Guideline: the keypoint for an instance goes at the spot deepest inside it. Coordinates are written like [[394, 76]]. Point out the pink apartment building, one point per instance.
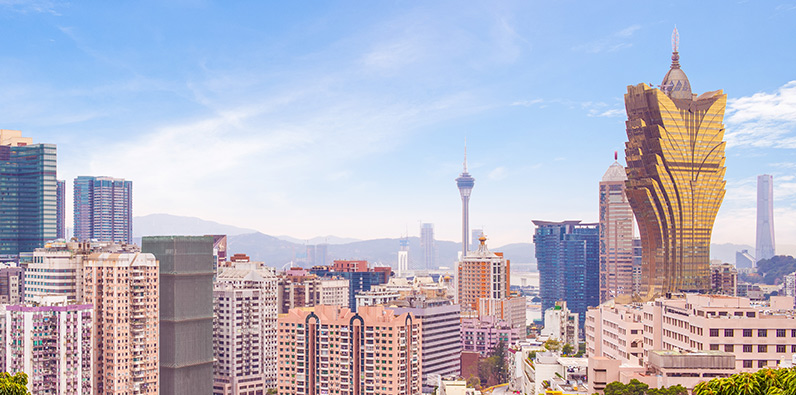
[[330, 350], [49, 340], [757, 335], [124, 289]]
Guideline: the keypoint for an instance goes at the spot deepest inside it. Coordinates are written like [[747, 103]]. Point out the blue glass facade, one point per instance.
[[28, 197], [568, 257], [60, 222], [103, 209], [357, 281]]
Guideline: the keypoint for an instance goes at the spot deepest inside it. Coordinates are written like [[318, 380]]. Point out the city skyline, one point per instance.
[[356, 93]]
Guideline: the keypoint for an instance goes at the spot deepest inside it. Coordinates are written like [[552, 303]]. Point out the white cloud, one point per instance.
[[498, 173], [527, 103], [612, 43], [763, 120]]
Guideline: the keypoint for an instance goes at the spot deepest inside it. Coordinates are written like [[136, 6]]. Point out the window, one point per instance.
[[780, 333], [781, 348], [747, 364], [729, 333], [750, 314], [714, 347], [747, 333], [714, 333], [761, 363], [729, 347], [762, 332], [762, 348], [747, 348]]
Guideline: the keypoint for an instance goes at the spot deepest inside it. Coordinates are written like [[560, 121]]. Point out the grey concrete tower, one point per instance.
[[465, 182], [186, 312], [764, 245]]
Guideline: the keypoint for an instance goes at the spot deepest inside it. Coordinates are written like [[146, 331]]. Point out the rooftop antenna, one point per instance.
[[616, 156], [675, 39]]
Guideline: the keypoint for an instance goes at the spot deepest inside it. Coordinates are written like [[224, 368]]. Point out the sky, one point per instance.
[[349, 118]]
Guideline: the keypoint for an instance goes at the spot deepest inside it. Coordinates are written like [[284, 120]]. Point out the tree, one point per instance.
[[473, 382], [763, 382], [501, 370], [552, 345], [567, 349], [14, 385]]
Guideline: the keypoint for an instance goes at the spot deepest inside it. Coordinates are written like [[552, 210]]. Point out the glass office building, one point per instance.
[[103, 209], [28, 201]]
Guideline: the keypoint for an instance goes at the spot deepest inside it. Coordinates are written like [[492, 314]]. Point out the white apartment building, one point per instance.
[[562, 325], [758, 334], [334, 292], [51, 341], [244, 329]]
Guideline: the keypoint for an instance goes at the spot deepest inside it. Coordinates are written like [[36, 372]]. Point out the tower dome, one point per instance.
[[675, 84]]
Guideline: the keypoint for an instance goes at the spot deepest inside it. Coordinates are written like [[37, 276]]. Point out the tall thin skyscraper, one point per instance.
[[465, 183], [568, 257], [616, 235], [103, 209], [60, 223], [765, 247], [28, 186], [428, 246], [403, 256], [186, 312], [675, 161]]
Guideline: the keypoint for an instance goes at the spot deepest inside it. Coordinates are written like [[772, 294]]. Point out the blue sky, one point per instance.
[[348, 118]]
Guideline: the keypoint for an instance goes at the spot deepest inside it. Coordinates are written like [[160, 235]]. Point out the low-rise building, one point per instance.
[[562, 325], [483, 334]]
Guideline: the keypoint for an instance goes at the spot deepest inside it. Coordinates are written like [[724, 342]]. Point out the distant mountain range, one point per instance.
[[280, 250]]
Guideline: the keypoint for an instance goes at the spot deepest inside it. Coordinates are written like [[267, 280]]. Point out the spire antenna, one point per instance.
[[465, 154], [675, 39]]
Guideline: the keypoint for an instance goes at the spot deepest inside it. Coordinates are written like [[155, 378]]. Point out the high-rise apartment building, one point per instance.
[[186, 312], [57, 269], [359, 276], [28, 186], [244, 330], [675, 167], [765, 247], [428, 247], [103, 209], [298, 288], [60, 222], [482, 274], [568, 257], [616, 235], [123, 287], [51, 341], [331, 350], [723, 279], [441, 334], [562, 325], [465, 183]]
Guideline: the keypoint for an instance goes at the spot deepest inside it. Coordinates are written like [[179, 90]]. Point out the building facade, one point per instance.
[[103, 209], [616, 235], [299, 288], [562, 325], [724, 279], [28, 215], [482, 274], [765, 246], [428, 247], [675, 167], [56, 269], [186, 312], [12, 284], [440, 334], [359, 277], [51, 341], [124, 289], [329, 349], [759, 335], [244, 330], [60, 222], [567, 255]]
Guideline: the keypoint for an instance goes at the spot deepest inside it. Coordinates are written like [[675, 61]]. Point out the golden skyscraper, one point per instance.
[[675, 168]]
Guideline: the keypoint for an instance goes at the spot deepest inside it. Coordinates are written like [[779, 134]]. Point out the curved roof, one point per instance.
[[615, 172], [675, 83]]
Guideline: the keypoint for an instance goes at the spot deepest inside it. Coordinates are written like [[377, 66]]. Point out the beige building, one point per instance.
[[757, 335], [244, 329], [724, 279], [616, 235], [123, 287], [330, 350]]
